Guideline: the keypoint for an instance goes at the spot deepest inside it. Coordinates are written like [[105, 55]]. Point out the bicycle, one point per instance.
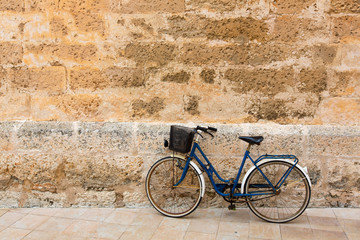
[[276, 188]]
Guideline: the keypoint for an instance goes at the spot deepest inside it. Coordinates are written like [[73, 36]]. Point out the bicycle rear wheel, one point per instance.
[[283, 205], [164, 197]]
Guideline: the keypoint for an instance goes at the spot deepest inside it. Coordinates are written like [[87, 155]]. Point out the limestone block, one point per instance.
[[149, 108], [293, 29], [12, 5], [89, 23], [150, 139], [41, 54], [14, 106], [7, 135], [94, 199], [336, 110], [346, 28], [269, 82], [292, 6], [46, 136], [41, 5], [45, 200], [49, 79], [144, 6], [350, 56], [11, 53], [113, 77], [81, 106], [58, 27], [211, 5], [325, 54], [9, 199], [11, 26], [333, 141], [106, 138], [258, 9], [155, 54], [89, 6], [344, 6], [345, 84], [180, 77], [312, 80]]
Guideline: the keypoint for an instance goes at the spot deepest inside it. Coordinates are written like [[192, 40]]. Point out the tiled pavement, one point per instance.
[[106, 223]]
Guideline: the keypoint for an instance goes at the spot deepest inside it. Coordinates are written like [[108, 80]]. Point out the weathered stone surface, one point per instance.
[[312, 80], [293, 29], [53, 52], [351, 55], [346, 28], [211, 5], [41, 5], [291, 6], [153, 6], [180, 77], [345, 6], [334, 110], [12, 5], [147, 109], [89, 6], [345, 84], [50, 79], [10, 53], [15, 106], [157, 54], [89, 22], [82, 106], [208, 75], [114, 77], [265, 81]]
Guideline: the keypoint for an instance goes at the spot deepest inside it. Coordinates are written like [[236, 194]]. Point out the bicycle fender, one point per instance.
[[303, 170], [197, 169]]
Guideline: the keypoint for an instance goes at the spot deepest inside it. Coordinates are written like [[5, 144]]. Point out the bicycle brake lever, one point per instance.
[[200, 135]]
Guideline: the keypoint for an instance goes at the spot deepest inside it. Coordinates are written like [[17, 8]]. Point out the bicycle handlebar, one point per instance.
[[205, 130]]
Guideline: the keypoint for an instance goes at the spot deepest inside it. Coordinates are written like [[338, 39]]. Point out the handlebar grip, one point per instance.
[[212, 129], [201, 128]]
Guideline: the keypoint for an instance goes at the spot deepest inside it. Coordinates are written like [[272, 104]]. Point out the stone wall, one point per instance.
[[89, 88]]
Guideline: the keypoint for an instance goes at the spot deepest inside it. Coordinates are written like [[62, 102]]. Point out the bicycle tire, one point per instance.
[[294, 192], [164, 197]]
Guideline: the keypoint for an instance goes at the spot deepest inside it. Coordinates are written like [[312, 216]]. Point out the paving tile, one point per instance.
[[70, 212], [3, 211], [121, 217], [329, 235], [320, 212], [324, 223], [264, 230], [301, 221], [164, 233], [199, 236], [203, 226], [97, 214], [347, 213], [179, 224], [147, 219], [13, 233], [140, 232], [227, 237], [350, 225], [30, 221], [83, 228], [240, 230], [239, 215], [55, 224], [352, 236], [209, 213], [10, 218], [21, 210], [45, 211], [40, 235], [110, 231], [296, 233]]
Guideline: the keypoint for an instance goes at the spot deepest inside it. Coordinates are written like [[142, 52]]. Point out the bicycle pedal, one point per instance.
[[232, 207]]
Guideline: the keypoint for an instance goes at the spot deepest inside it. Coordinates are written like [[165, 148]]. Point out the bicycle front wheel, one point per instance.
[[169, 200], [283, 205]]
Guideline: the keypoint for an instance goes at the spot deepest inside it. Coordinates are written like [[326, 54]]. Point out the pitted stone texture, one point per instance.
[[146, 6], [345, 6], [106, 138], [345, 84], [291, 6], [12, 5], [114, 77], [11, 53], [46, 137], [212, 5], [49, 79], [41, 5], [345, 32]]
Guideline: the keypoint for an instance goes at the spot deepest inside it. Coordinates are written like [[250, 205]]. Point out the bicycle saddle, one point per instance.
[[252, 140]]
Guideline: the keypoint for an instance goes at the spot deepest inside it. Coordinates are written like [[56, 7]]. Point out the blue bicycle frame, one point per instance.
[[210, 170]]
